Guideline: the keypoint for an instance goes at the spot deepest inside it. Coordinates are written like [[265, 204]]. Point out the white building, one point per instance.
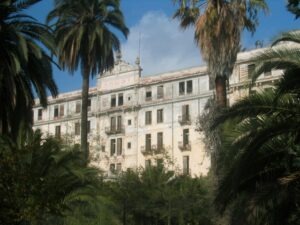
[[136, 121]]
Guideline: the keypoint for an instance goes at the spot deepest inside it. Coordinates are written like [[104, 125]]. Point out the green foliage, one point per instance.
[[42, 180], [294, 7], [218, 26], [156, 196], [25, 67], [85, 33], [261, 183]]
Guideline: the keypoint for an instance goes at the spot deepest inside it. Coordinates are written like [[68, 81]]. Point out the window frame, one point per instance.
[[40, 114], [77, 129], [189, 86], [160, 116], [113, 101], [148, 117], [181, 86]]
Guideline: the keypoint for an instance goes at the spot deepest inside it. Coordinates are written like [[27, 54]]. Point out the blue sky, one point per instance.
[[164, 46]]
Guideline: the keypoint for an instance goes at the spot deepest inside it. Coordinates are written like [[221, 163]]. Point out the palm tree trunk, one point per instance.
[[221, 95], [84, 113]]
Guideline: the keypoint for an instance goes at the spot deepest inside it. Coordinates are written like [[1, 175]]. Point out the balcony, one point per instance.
[[160, 149], [148, 150], [148, 99], [114, 130], [184, 120], [184, 147]]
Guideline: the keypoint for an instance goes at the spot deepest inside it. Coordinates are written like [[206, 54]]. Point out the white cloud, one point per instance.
[[164, 46]]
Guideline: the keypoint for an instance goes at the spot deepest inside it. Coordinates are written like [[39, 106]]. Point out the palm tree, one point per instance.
[[25, 67], [85, 37], [263, 178], [42, 179], [294, 7], [218, 27]]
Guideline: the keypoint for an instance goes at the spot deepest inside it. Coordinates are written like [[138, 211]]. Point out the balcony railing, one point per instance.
[[149, 98], [184, 146], [184, 120], [114, 130], [148, 150], [160, 149]]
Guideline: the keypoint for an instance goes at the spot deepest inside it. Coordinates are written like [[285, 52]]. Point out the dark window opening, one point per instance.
[[119, 146], [148, 95], [57, 131], [77, 128], [78, 107], [160, 116], [40, 114], [148, 118], [181, 88], [186, 165], [160, 92], [88, 126], [112, 147], [120, 99], [148, 142], [89, 105], [160, 140], [251, 68], [56, 111], [186, 134], [113, 101], [189, 88]]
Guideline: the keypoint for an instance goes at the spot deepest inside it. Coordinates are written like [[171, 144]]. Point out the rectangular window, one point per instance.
[[40, 114], [185, 113], [251, 68], [120, 99], [148, 95], [181, 88], [147, 163], [186, 134], [57, 131], [77, 128], [113, 101], [119, 146], [61, 110], [113, 124], [56, 111], [119, 123], [112, 168], [159, 162], [160, 116], [268, 73], [88, 126], [160, 92], [148, 118], [89, 105], [268, 89], [112, 147], [129, 145], [78, 107], [189, 86], [148, 142], [186, 165], [129, 122], [160, 140], [119, 167]]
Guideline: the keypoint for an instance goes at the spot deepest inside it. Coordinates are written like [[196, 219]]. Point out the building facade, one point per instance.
[[137, 121]]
